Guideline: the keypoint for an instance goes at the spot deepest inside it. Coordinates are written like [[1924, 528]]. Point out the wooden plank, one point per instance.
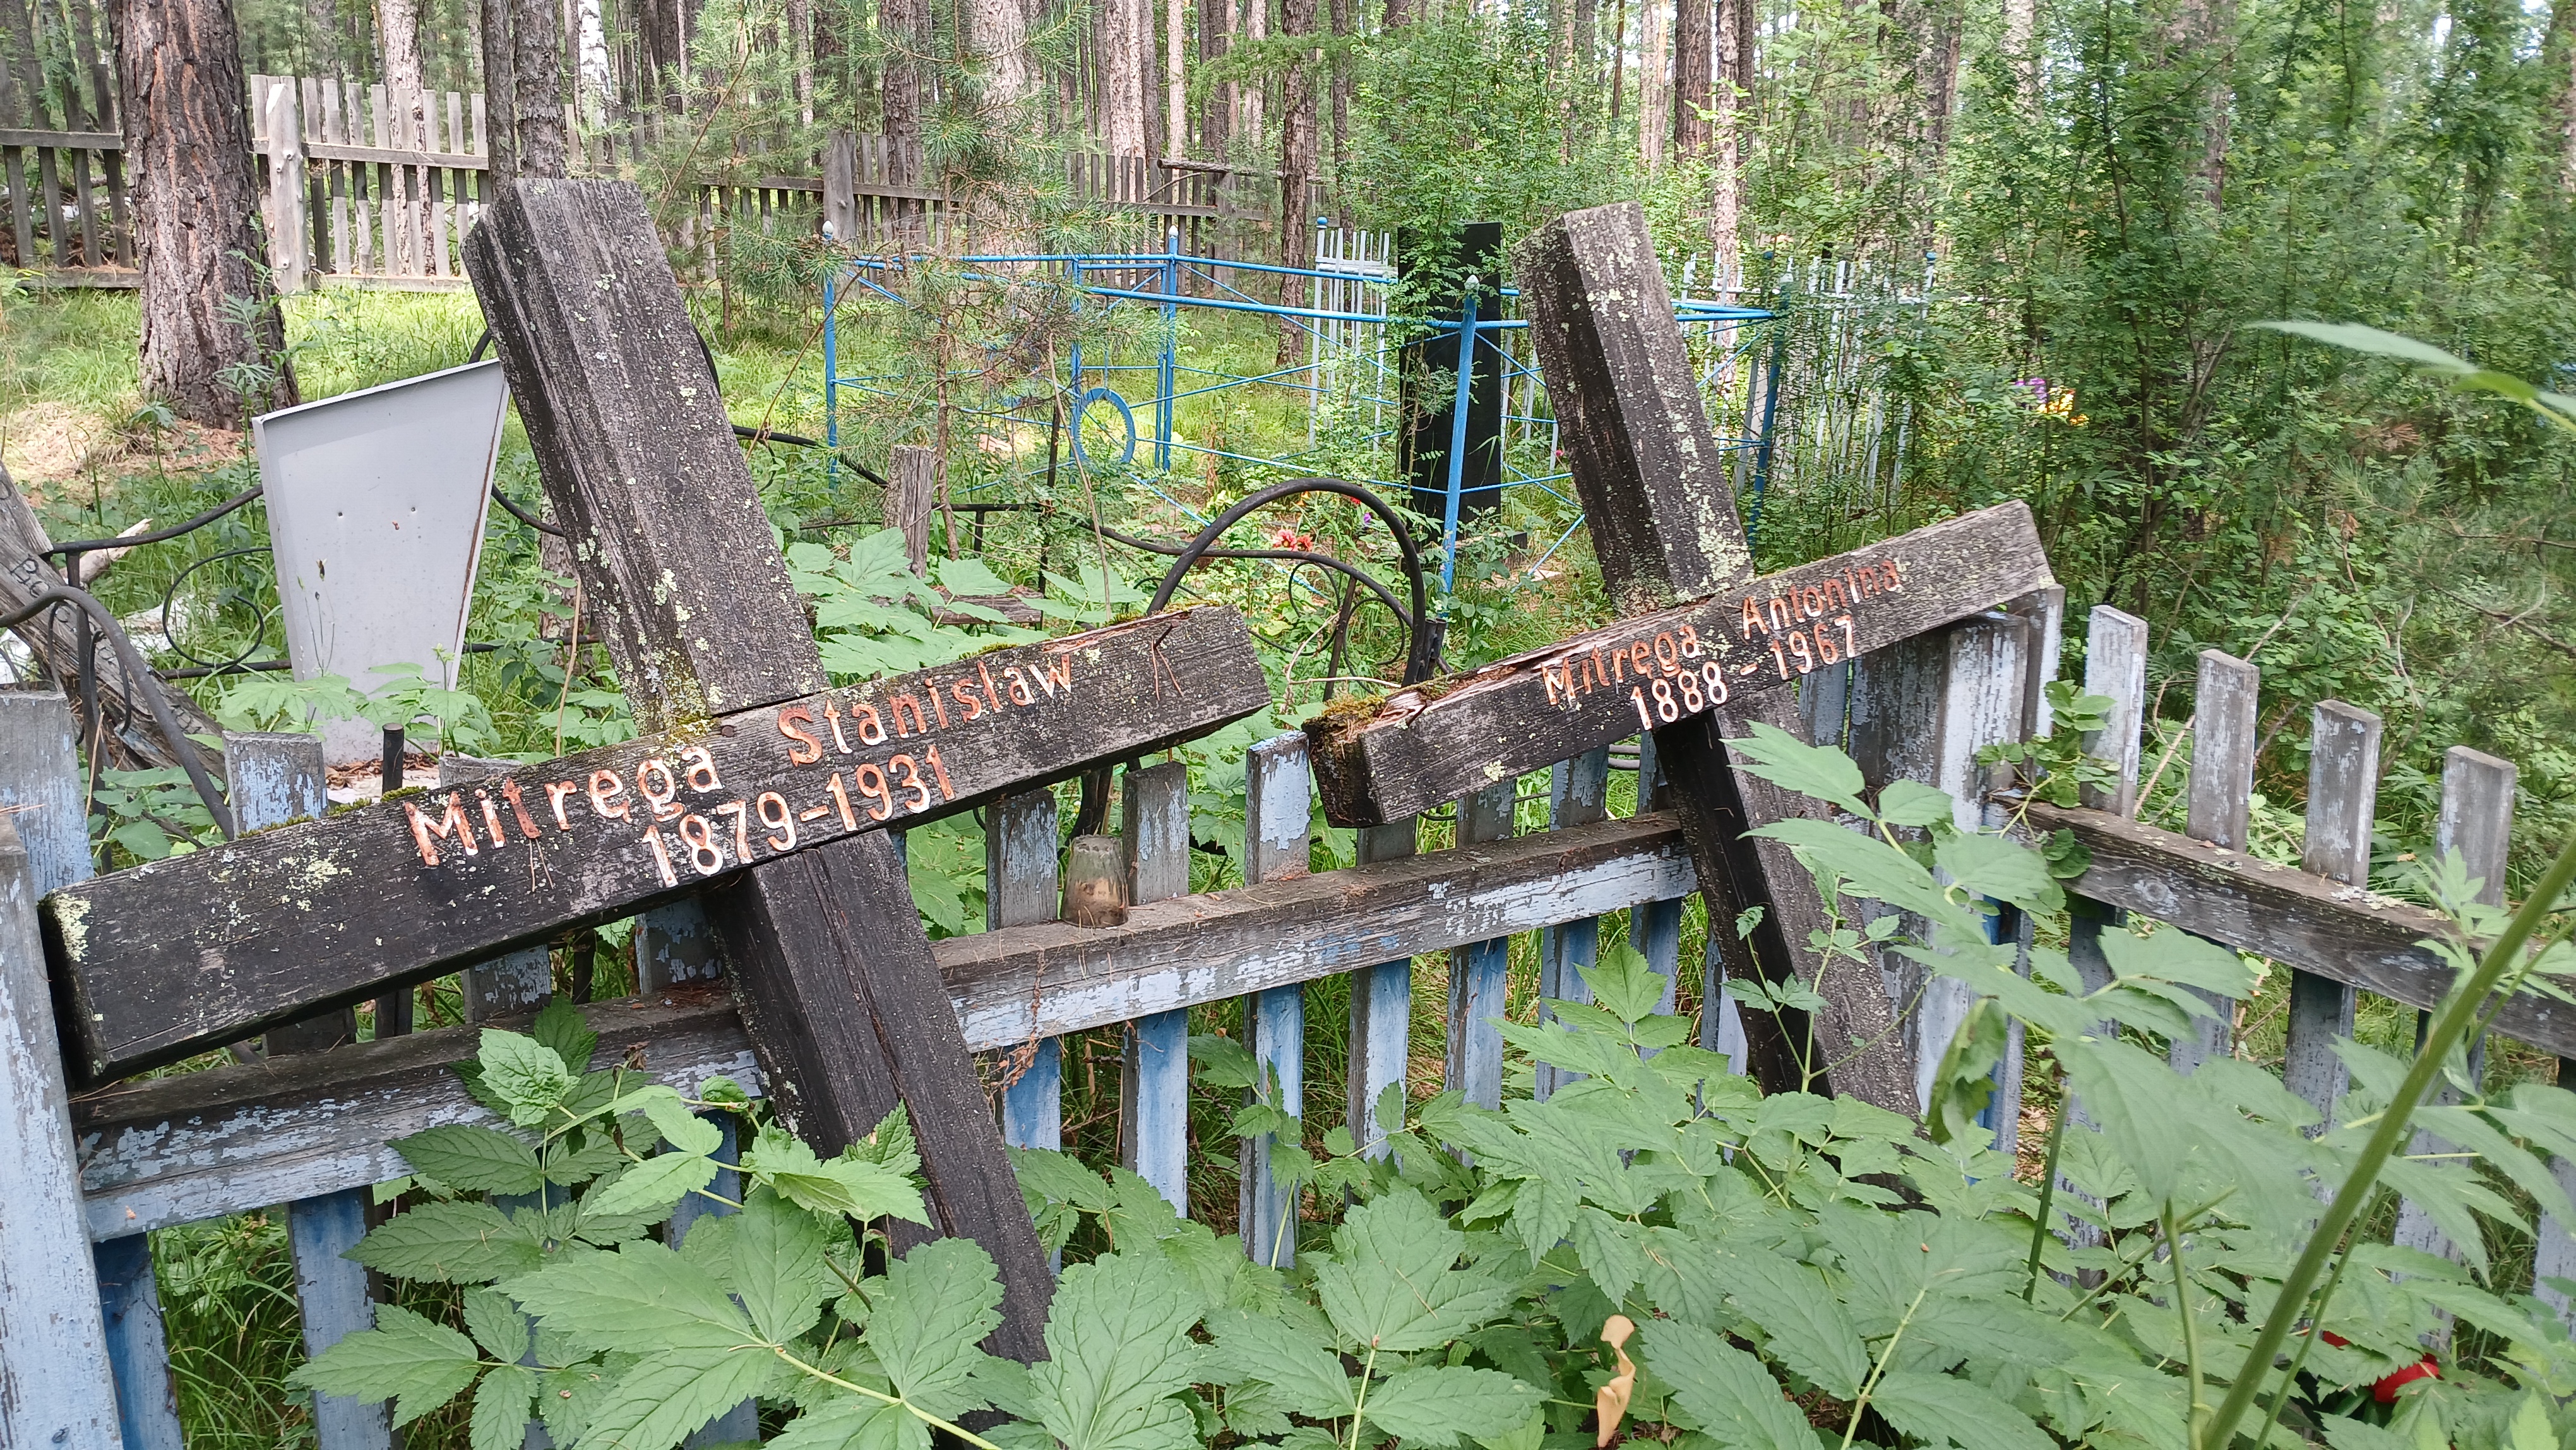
[[1278, 815], [1428, 743], [2115, 667], [2475, 820], [1381, 1038], [2220, 798], [1479, 970], [836, 979], [169, 958], [2343, 794], [161, 1151], [273, 779], [514, 982], [1578, 795], [68, 140], [1021, 888], [56, 1387], [2343, 932], [1634, 432], [1154, 1077]]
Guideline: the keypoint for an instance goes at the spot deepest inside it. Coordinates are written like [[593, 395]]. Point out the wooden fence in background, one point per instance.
[[362, 190]]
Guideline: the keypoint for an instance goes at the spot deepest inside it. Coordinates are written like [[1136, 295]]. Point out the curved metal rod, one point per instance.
[[522, 515], [172, 593], [1422, 645], [84, 546], [1299, 556], [1422, 634], [139, 681]]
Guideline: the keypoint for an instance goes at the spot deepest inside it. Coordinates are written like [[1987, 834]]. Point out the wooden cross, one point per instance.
[[750, 762], [1703, 646]]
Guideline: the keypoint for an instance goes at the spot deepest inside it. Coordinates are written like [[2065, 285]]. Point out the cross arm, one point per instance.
[[1379, 761], [178, 956]]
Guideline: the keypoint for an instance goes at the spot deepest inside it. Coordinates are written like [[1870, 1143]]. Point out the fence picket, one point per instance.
[[2343, 792], [1578, 794], [1381, 1007], [1278, 815], [1020, 889], [1154, 1087], [1479, 972], [2221, 796], [56, 1388], [2476, 820]]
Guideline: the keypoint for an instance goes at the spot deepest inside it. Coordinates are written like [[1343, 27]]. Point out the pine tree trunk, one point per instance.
[[999, 34], [500, 95], [321, 37], [1176, 89], [1343, 20], [902, 22], [1256, 28], [2021, 28], [1296, 167], [1123, 54], [1691, 35], [536, 27], [1748, 33], [1725, 200], [197, 207], [1216, 108], [1654, 82], [398, 25]]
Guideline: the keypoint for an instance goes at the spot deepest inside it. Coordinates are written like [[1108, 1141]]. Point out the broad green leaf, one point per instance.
[[418, 1363], [653, 1185], [1223, 1062], [1610, 1252], [2345, 1434], [1119, 1354], [642, 1293], [1938, 1408], [968, 575], [1792, 764], [496, 1324], [1869, 867], [852, 1186], [672, 1392], [1436, 1406], [1808, 1330], [524, 1073], [774, 1264], [566, 1399], [1393, 1282], [1051, 1177], [449, 1243], [2530, 1428], [1997, 867], [1729, 1392], [1912, 803], [1306, 1377], [472, 1160], [2178, 956], [561, 1027], [681, 1128], [503, 1405], [1624, 984], [926, 1319], [849, 1422]]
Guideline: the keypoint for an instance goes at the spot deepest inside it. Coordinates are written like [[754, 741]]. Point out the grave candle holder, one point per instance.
[[1095, 883]]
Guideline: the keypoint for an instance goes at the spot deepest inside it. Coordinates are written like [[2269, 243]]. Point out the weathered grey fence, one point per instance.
[[366, 190], [311, 1130]]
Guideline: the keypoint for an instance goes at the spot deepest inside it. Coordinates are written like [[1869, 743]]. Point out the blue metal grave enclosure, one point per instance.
[[1348, 343]]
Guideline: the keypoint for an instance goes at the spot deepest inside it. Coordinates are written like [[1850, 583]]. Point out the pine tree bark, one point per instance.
[[900, 89], [536, 28], [500, 97], [1726, 167], [1176, 89], [1124, 50], [1296, 168], [1250, 98], [1654, 82], [398, 25], [1691, 78], [197, 206], [1343, 20], [1216, 107], [998, 34]]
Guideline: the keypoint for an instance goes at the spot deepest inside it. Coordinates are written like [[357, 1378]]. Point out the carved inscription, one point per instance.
[[1669, 669], [875, 749]]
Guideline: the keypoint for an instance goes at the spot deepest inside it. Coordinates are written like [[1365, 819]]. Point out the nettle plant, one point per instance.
[[1657, 1251]]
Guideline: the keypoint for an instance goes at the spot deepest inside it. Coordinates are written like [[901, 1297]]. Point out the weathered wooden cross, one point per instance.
[[750, 762], [1704, 645]]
